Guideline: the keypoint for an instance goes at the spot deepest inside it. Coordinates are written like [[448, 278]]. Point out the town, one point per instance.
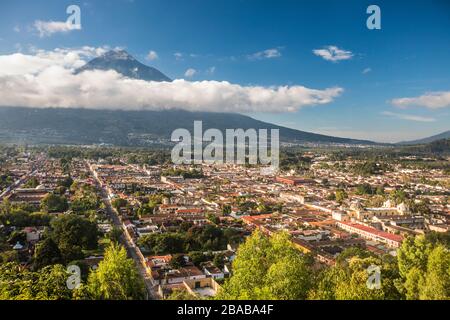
[[183, 225]]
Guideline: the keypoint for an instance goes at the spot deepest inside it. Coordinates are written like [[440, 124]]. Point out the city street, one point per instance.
[[126, 240]]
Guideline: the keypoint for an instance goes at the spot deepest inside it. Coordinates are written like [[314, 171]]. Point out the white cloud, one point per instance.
[[431, 100], [266, 54], [333, 53], [211, 70], [178, 56], [47, 28], [409, 117], [17, 29], [366, 70], [46, 79], [190, 73], [39, 60], [152, 55]]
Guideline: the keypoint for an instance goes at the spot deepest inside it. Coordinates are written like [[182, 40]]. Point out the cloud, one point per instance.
[[178, 56], [17, 29], [266, 54], [152, 55], [430, 100], [211, 70], [333, 53], [46, 79], [39, 60], [409, 117], [47, 28], [366, 70], [190, 73]]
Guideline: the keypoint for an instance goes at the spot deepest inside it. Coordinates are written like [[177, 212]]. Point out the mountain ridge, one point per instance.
[[125, 64], [120, 127], [89, 126], [436, 137]]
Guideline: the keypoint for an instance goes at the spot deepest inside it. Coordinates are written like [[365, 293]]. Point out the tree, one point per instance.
[[66, 182], [116, 277], [413, 254], [73, 233], [424, 268], [268, 268], [438, 238], [197, 257], [52, 284], [364, 188], [341, 195], [436, 284], [179, 294], [32, 183], [48, 283], [115, 234], [353, 286], [226, 210], [177, 261], [46, 253], [9, 256], [351, 252], [163, 243], [219, 260], [54, 203], [119, 203]]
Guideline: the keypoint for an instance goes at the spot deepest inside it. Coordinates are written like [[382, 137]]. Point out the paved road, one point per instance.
[[126, 240], [16, 185]]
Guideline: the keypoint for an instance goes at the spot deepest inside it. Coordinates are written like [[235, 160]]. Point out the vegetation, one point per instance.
[[268, 268], [186, 174], [54, 203], [116, 278], [207, 238], [271, 268], [48, 283], [73, 234]]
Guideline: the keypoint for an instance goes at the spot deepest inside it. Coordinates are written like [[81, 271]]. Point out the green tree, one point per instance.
[[436, 284], [424, 268], [46, 253], [49, 283], [33, 182], [178, 294], [54, 203], [341, 195], [177, 261], [119, 203], [73, 233], [268, 268], [116, 277], [115, 234]]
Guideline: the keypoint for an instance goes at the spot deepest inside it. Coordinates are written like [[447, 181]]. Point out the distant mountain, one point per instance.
[[129, 128], [122, 62], [443, 135], [441, 147]]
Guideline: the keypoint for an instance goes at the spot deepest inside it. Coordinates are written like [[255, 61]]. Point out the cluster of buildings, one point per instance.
[[152, 200], [245, 198]]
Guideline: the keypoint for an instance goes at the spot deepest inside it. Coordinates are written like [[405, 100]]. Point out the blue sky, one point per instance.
[[227, 40]]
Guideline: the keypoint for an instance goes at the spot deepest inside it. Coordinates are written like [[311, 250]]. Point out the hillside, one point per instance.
[[129, 128], [443, 135]]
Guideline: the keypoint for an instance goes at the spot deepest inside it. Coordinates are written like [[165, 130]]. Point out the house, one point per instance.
[[29, 196], [32, 234], [202, 288], [294, 180], [370, 233], [170, 276], [212, 271]]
